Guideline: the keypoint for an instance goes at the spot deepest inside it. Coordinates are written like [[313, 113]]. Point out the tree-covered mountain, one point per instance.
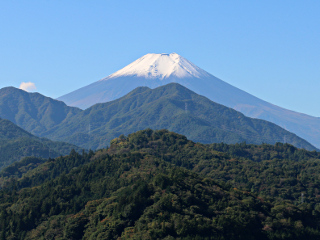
[[159, 185], [16, 143], [172, 107], [33, 111]]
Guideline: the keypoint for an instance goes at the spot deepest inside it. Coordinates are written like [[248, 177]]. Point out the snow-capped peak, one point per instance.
[[160, 66]]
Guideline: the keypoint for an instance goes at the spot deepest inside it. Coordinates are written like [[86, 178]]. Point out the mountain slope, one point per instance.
[[159, 185], [16, 143], [172, 107], [154, 70], [33, 111]]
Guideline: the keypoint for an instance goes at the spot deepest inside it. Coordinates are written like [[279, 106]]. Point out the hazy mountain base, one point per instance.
[[141, 188]]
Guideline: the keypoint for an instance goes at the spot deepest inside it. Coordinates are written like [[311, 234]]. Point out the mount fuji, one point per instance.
[[154, 70]]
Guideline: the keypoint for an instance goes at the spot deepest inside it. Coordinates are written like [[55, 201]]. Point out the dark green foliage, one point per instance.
[[266, 151], [281, 171], [159, 185], [16, 143], [17, 169]]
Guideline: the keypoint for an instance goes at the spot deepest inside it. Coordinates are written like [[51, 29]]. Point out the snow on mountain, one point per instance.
[[154, 70], [160, 66]]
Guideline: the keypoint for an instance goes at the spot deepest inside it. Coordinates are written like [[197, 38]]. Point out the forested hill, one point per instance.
[[32, 111], [171, 107], [16, 143], [159, 185]]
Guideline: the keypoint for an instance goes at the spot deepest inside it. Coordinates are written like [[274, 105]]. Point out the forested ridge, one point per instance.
[[32, 111], [159, 185], [16, 143], [172, 106]]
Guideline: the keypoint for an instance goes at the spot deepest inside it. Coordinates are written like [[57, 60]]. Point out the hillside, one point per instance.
[[32, 111], [154, 185], [16, 143], [172, 107]]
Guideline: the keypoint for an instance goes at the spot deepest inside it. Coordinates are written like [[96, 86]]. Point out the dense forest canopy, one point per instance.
[[160, 185]]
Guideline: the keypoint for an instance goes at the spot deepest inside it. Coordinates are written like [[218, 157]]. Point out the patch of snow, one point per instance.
[[160, 66]]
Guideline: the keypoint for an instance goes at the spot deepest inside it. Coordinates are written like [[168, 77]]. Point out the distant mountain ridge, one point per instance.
[[173, 107], [154, 70], [33, 111]]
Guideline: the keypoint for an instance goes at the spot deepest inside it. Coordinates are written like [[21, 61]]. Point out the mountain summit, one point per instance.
[[160, 66], [154, 70], [151, 70]]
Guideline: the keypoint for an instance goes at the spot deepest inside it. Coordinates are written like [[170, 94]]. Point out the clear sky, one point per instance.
[[270, 49]]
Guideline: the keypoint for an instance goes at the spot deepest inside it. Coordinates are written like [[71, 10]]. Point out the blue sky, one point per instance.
[[267, 48]]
